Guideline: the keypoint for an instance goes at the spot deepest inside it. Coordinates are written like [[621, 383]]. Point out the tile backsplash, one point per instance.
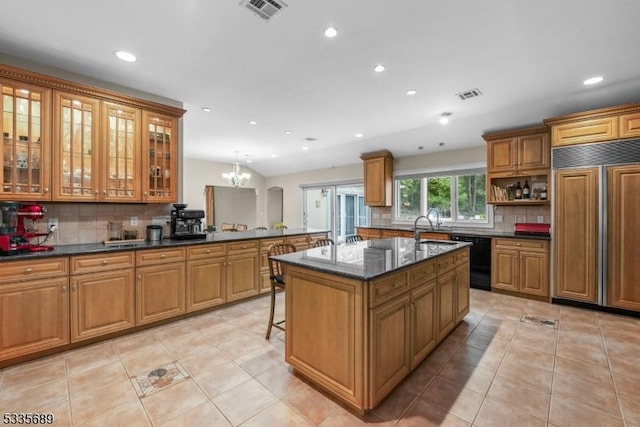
[[508, 216], [87, 222]]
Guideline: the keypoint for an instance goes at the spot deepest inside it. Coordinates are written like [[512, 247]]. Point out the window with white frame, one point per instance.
[[459, 197]]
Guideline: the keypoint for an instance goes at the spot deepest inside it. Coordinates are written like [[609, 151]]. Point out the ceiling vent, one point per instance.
[[265, 9], [471, 93], [310, 139]]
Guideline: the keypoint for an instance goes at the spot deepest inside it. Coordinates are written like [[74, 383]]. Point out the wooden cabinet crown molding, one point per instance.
[[25, 76], [376, 154], [592, 114], [514, 133]]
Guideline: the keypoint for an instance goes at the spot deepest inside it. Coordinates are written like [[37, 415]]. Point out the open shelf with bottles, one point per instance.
[[502, 190]]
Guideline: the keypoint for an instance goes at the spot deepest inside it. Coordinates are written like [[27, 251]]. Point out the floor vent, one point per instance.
[[471, 93], [265, 9]]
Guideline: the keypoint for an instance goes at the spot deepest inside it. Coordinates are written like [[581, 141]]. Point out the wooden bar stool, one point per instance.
[[277, 279], [324, 241], [353, 238]]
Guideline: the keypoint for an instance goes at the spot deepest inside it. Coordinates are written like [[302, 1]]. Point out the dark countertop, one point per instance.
[[488, 232], [368, 259], [89, 248]]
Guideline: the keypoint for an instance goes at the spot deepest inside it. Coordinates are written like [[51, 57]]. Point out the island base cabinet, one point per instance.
[[205, 283], [102, 303], [423, 322], [160, 291], [446, 303], [34, 316], [390, 353]]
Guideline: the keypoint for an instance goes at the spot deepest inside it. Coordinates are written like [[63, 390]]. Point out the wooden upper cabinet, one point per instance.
[[26, 141], [160, 158], [518, 152], [121, 163], [604, 124], [76, 133], [378, 178]]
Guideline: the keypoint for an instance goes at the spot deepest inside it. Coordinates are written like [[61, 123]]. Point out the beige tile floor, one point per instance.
[[493, 370]]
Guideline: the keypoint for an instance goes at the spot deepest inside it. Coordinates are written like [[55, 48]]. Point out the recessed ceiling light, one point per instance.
[[378, 68], [593, 80], [305, 148], [288, 132], [249, 161], [274, 155], [444, 118], [412, 92], [252, 122], [359, 135], [330, 32], [125, 56], [206, 109]]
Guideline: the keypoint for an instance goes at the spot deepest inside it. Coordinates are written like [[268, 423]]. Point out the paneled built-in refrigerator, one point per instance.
[[596, 239]]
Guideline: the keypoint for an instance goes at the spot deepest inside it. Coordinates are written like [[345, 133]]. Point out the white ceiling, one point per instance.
[[528, 58]]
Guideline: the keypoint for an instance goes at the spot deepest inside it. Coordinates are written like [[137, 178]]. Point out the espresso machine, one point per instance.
[[15, 236], [186, 223]]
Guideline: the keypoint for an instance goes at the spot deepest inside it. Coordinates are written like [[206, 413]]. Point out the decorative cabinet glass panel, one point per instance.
[[159, 168], [76, 148], [122, 153], [26, 141]]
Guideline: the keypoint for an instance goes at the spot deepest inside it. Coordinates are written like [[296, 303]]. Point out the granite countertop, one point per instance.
[[366, 260], [90, 248], [488, 232]]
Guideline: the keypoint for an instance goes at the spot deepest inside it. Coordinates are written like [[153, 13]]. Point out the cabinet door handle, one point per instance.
[[73, 288], [145, 193], [104, 192], [64, 288], [139, 277], [105, 262], [46, 189], [28, 270], [97, 192]]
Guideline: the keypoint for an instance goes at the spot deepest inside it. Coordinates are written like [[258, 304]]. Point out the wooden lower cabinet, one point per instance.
[[391, 345], [446, 285], [160, 292], [520, 265], [102, 303], [205, 283], [423, 321], [34, 316], [241, 276], [463, 284]]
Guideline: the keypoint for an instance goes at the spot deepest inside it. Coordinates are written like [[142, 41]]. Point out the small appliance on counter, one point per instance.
[[186, 224], [154, 233], [532, 229], [14, 236]]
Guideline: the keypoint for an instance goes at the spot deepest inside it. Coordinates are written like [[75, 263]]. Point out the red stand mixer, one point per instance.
[[14, 236]]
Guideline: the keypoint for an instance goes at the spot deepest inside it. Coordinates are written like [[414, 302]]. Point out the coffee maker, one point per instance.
[[14, 235], [186, 223]]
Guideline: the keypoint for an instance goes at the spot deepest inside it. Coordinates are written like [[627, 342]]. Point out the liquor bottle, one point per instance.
[[525, 190], [518, 190], [543, 193]]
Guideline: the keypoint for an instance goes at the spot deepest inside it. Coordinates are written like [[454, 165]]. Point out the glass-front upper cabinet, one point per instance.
[[76, 132], [121, 166], [160, 158], [26, 141]]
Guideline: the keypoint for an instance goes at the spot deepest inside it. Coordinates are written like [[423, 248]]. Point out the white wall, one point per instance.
[[200, 173]]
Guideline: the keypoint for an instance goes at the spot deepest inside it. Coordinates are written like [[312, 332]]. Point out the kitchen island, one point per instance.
[[361, 316]]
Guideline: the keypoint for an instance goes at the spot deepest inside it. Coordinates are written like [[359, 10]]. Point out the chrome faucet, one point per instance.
[[438, 222], [416, 230]]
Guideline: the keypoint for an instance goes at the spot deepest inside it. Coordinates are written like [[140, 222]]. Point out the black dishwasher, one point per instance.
[[479, 260]]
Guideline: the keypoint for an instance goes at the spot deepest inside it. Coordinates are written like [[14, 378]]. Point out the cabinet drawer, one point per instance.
[[102, 262], [265, 243], [300, 242], [157, 256], [22, 270], [395, 233], [630, 125], [423, 272], [461, 256], [388, 287], [205, 251], [529, 244], [434, 236], [368, 233], [592, 130], [242, 246], [445, 262]]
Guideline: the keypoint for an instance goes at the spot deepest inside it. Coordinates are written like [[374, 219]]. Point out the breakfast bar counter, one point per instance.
[[360, 317]]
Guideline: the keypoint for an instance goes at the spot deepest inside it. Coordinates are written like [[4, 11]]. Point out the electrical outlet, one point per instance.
[[498, 218], [52, 224], [540, 219], [134, 221]]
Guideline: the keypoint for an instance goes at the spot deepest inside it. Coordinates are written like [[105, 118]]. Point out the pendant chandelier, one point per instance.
[[235, 177]]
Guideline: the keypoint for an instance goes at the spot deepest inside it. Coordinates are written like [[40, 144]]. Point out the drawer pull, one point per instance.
[[518, 244], [244, 246], [28, 270], [163, 256], [105, 262], [208, 251]]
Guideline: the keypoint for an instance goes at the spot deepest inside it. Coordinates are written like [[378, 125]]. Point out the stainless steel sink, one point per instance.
[[437, 242]]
